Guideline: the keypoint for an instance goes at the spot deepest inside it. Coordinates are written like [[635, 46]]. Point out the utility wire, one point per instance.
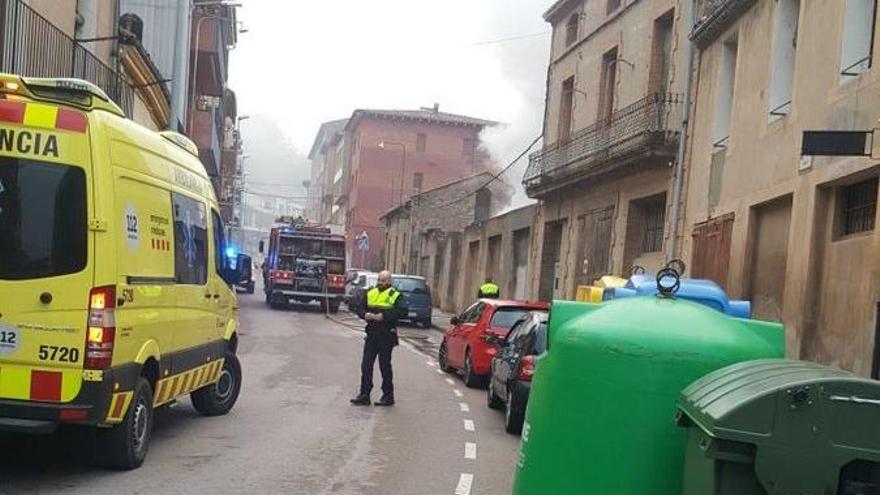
[[505, 40], [494, 177]]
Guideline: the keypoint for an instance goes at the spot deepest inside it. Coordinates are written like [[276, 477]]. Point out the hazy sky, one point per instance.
[[303, 62]]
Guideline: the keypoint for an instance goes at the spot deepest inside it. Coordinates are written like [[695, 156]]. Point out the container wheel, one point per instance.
[[334, 306], [513, 415], [125, 446], [218, 398]]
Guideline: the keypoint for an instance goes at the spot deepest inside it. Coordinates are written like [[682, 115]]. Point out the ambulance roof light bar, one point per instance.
[[63, 90]]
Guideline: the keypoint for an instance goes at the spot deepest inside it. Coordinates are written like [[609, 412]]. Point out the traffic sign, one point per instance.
[[363, 241]]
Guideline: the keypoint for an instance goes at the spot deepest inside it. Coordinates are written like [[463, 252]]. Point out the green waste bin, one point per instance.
[[599, 420], [781, 427]]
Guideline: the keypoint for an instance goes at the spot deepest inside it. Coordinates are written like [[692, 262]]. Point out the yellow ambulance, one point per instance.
[[115, 286]]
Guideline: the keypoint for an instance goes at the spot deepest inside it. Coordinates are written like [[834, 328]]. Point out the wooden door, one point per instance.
[[711, 249]]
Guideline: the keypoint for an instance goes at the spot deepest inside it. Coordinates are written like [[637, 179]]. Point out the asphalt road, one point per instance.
[[293, 430]]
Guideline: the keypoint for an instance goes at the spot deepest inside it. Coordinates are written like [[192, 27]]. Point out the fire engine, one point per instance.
[[304, 263]]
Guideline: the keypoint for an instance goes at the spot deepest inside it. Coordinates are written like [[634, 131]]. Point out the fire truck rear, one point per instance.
[[304, 264]]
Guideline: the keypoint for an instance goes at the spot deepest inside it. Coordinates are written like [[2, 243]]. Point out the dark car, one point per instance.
[[512, 367], [416, 297]]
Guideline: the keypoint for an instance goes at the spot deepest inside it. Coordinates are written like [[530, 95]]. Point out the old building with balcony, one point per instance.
[[797, 236], [327, 191], [611, 129], [101, 41], [214, 33]]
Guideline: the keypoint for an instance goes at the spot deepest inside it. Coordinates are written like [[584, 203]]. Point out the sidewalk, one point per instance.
[[440, 320]]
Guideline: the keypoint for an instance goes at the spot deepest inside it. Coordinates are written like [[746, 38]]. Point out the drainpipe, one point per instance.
[[181, 59], [678, 171]]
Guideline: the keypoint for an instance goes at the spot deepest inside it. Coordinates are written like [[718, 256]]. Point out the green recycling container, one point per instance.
[[603, 399], [780, 427]]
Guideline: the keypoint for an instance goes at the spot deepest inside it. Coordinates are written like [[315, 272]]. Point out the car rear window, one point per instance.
[[412, 285], [43, 225], [507, 317]]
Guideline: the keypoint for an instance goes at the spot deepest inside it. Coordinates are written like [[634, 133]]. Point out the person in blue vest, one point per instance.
[[489, 290], [380, 307]]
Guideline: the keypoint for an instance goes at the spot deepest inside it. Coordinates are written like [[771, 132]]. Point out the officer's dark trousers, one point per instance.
[[376, 346]]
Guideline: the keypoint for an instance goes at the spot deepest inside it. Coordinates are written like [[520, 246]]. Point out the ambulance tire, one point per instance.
[[217, 399], [124, 447]]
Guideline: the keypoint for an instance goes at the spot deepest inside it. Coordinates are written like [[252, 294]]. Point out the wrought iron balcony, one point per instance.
[[713, 17], [30, 45], [650, 126]]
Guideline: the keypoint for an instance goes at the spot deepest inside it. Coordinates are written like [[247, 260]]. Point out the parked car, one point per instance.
[[417, 298], [353, 281], [359, 286], [512, 367], [468, 345]]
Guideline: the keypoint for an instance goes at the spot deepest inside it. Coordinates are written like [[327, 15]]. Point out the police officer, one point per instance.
[[489, 290], [381, 308]]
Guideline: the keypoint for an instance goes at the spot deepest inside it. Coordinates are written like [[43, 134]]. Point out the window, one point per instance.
[[784, 50], [612, 6], [858, 207], [654, 214], [190, 241], [43, 228], [608, 85], [571, 29], [421, 142], [565, 110], [418, 177], [482, 205], [220, 261], [507, 317], [468, 147], [661, 54], [724, 92], [473, 314], [858, 38]]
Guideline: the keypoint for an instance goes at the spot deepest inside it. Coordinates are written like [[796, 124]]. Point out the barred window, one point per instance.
[[654, 218], [858, 207]]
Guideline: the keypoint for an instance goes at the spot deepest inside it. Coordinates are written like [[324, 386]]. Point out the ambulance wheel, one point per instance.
[[217, 399], [125, 445]]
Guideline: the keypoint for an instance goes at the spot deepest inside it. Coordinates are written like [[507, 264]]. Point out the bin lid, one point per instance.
[[703, 291], [785, 402]]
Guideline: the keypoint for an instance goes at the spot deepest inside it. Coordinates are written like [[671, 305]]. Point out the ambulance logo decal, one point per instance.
[[10, 340], [132, 234]]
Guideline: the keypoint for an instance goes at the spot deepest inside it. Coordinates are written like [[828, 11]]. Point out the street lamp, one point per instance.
[[383, 145]]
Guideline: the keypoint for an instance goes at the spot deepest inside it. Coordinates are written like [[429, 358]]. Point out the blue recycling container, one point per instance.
[[701, 291]]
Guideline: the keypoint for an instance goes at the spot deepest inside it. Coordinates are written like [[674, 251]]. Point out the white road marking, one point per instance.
[[449, 381], [430, 363], [470, 450], [465, 481], [440, 372], [469, 425], [464, 407], [457, 392]]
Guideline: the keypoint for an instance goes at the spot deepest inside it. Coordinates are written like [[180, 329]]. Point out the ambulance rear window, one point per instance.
[[43, 223]]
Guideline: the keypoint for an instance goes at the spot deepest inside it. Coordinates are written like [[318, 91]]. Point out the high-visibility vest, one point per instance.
[[381, 299], [489, 289]]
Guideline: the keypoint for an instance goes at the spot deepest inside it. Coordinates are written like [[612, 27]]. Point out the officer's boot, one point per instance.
[[362, 399], [386, 400]]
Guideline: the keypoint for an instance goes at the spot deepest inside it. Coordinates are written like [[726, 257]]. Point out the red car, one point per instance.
[[466, 345]]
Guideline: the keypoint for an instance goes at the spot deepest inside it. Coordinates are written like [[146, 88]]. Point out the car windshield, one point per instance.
[[43, 227], [412, 285], [507, 317]]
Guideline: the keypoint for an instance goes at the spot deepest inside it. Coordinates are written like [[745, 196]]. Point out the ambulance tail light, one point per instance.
[[526, 369], [101, 329], [336, 281]]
